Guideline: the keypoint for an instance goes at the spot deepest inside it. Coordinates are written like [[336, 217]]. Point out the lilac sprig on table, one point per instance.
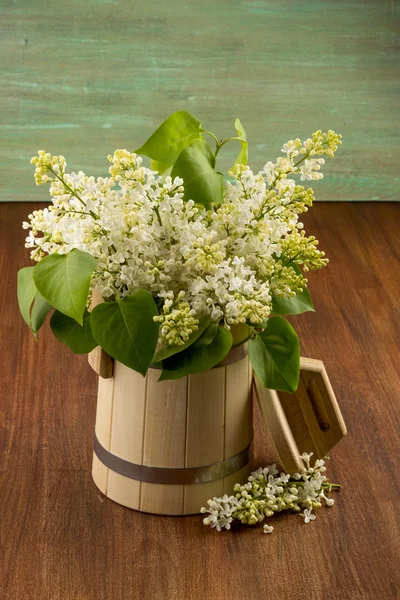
[[267, 492]]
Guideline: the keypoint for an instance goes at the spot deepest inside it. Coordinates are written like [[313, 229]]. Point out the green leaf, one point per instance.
[[167, 351], [78, 338], [26, 290], [208, 336], [40, 310], [64, 281], [126, 329], [240, 334], [275, 355], [298, 304], [197, 359], [195, 165], [243, 157], [159, 166], [168, 141]]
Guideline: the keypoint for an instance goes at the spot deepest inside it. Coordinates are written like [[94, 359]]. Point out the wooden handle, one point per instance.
[[309, 420], [279, 428]]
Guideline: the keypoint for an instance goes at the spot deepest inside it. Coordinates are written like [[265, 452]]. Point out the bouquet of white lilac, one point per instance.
[[267, 492], [187, 264]]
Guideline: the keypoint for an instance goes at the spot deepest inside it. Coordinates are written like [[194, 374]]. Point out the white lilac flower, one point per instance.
[[328, 501], [228, 261], [266, 492], [308, 516], [268, 528]]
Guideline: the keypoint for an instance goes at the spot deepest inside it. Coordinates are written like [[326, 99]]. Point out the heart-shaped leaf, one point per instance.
[[40, 310], [168, 141], [240, 334], [296, 305], [64, 281], [159, 166], [243, 157], [126, 330], [167, 351], [197, 358], [195, 165], [208, 336], [275, 355], [78, 338], [26, 290]]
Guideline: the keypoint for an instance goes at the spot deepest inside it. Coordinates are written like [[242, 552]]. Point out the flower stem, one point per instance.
[[158, 215], [67, 187], [212, 135]]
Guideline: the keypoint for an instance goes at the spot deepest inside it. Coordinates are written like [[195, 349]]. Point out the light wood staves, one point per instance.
[[202, 419], [195, 421]]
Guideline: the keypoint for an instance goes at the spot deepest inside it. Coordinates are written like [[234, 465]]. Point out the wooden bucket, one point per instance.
[[167, 447]]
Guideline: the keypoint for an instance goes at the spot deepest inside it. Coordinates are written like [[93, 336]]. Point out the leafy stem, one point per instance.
[[223, 142], [325, 484], [212, 135], [220, 143]]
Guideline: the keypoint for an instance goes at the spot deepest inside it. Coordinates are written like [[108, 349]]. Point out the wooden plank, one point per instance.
[[164, 441], [61, 539], [321, 411], [101, 362], [127, 432], [338, 69], [205, 425], [238, 408], [278, 428], [238, 417], [104, 411]]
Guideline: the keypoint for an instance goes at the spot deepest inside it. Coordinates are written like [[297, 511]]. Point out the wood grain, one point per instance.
[[61, 539], [307, 420], [195, 421], [101, 362], [84, 78]]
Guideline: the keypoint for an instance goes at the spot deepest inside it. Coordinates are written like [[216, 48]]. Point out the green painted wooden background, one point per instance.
[[83, 77]]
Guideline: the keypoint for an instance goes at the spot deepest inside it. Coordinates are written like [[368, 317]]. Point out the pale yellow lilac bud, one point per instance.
[[267, 493]]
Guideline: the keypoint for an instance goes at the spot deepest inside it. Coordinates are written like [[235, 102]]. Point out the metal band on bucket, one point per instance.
[[172, 476]]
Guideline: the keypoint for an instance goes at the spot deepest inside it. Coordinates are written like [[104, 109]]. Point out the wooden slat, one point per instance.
[[127, 432], [239, 477], [164, 441], [205, 426], [278, 428], [98, 359], [238, 415], [321, 411], [101, 362], [293, 407], [103, 429]]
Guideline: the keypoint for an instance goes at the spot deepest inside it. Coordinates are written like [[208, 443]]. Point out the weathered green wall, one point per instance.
[[83, 77]]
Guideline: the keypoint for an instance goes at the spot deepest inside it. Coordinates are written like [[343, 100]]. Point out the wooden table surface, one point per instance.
[[62, 540]]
